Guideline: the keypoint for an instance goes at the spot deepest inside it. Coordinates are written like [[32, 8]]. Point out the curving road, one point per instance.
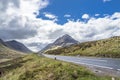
[[109, 63]]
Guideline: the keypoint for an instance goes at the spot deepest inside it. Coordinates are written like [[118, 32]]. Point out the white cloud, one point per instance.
[[106, 27], [50, 16], [115, 15], [106, 0], [28, 7], [97, 15], [67, 15], [85, 16]]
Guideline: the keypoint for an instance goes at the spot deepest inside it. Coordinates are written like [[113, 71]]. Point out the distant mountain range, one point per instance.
[[15, 45], [63, 41], [101, 48], [66, 45]]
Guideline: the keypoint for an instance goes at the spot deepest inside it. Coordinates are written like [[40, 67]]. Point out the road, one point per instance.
[[107, 63]]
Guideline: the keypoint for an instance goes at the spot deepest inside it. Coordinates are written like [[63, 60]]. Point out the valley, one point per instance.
[[15, 64], [59, 39]]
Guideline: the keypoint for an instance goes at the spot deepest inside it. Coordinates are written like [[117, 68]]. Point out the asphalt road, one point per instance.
[[109, 63]]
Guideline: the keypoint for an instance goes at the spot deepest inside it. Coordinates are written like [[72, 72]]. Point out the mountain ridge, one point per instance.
[[65, 40], [17, 46]]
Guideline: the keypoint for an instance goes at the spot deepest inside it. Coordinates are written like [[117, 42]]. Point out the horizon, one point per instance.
[[37, 23]]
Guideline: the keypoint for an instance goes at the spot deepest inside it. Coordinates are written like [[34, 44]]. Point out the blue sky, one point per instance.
[[76, 8]]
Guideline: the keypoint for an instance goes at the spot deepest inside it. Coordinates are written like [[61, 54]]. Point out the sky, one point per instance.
[[37, 23]]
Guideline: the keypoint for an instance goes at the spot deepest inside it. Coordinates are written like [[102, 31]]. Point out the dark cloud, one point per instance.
[[17, 34], [5, 4], [15, 30]]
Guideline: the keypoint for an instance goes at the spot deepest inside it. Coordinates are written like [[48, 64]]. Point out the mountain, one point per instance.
[[63, 41], [17, 46], [7, 53], [2, 42], [101, 48]]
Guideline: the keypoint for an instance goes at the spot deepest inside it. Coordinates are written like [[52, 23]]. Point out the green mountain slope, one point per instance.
[[33, 67], [7, 53], [101, 48]]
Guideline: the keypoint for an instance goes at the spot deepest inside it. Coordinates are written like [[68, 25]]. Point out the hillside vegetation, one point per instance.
[[33, 67], [101, 48], [6, 53]]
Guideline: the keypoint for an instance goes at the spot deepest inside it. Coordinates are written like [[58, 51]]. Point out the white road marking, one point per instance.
[[91, 64], [94, 60]]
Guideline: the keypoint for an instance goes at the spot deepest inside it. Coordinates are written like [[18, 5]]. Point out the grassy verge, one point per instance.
[[33, 67]]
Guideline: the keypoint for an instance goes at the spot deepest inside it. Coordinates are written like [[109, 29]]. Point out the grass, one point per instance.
[[6, 53], [33, 67], [101, 48]]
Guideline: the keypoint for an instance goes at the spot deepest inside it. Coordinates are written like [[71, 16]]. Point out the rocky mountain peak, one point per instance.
[[65, 39]]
